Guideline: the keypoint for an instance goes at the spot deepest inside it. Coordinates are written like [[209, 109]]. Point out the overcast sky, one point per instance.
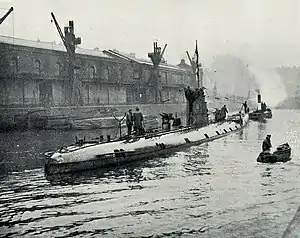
[[263, 32]]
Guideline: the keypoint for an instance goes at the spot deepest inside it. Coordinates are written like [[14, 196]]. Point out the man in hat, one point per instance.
[[223, 112], [266, 145], [129, 121], [138, 121], [245, 107]]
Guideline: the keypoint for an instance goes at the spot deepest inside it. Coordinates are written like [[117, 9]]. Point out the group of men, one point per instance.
[[221, 114], [134, 121], [263, 106]]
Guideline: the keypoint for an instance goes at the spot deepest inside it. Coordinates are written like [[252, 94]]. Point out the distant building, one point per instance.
[[183, 65], [290, 77]]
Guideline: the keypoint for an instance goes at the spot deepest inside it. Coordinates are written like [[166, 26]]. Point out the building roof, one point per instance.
[[96, 52], [130, 57], [50, 46]]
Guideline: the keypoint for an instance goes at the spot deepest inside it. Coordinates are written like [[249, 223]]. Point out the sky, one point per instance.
[[264, 33]]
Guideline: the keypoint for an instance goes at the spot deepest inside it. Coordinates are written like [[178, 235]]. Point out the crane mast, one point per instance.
[[156, 58], [6, 15], [194, 69], [70, 42]]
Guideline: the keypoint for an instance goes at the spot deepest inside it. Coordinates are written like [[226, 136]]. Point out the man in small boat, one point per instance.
[[138, 121], [129, 122], [266, 145]]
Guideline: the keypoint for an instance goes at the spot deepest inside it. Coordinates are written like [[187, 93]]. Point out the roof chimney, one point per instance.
[[132, 55]]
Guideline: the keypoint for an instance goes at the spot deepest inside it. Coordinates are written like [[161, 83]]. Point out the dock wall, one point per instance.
[[67, 117]]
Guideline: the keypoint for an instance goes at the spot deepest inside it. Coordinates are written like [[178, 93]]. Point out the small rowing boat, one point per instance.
[[281, 154]]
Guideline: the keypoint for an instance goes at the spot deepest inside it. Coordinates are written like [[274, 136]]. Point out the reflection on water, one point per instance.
[[261, 131], [213, 190], [195, 162], [124, 173], [267, 172], [241, 135]]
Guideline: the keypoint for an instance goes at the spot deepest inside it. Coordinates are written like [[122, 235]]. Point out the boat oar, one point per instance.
[[293, 229]]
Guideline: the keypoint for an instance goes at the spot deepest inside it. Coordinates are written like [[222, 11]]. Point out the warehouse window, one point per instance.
[[92, 72], [57, 69], [119, 73], [136, 74], [14, 65], [106, 73], [37, 67]]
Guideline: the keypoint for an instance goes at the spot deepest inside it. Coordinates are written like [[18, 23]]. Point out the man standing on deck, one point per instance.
[[241, 118], [217, 115], [129, 122], [266, 145], [223, 113], [138, 121], [245, 107], [264, 106]]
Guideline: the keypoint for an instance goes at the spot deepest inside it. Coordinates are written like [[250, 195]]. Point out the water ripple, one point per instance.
[[212, 190]]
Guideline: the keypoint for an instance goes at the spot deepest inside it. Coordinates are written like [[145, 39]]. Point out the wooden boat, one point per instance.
[[91, 155], [282, 154]]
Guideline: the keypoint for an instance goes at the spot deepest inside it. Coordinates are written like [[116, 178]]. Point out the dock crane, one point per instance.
[[156, 57], [70, 42], [6, 15], [194, 68]]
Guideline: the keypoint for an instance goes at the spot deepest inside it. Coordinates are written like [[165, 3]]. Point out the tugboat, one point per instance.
[[262, 112], [281, 154]]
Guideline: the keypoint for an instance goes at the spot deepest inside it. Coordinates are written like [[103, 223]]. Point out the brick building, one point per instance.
[[33, 74]]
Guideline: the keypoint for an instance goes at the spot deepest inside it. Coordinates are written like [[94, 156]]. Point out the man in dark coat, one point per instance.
[[138, 121], [129, 122], [266, 145], [223, 112], [245, 107]]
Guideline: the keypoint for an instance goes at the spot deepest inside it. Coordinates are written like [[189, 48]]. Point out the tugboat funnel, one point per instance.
[[259, 101]]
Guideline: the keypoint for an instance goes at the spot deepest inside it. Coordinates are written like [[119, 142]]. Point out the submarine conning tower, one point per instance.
[[196, 107]]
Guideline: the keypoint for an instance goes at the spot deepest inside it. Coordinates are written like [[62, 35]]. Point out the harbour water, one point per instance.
[[212, 190]]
